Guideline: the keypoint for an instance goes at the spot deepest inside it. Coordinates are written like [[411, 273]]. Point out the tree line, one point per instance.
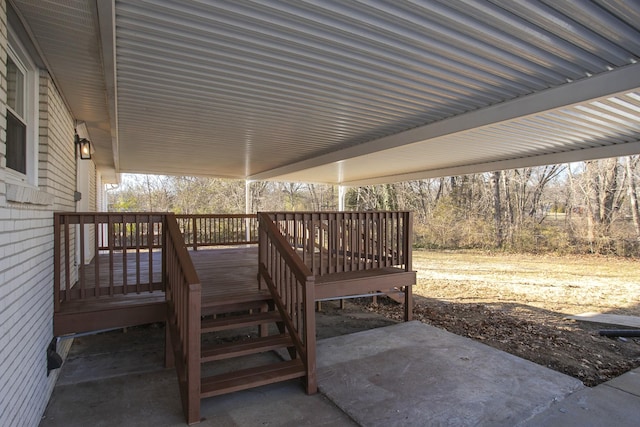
[[586, 207]]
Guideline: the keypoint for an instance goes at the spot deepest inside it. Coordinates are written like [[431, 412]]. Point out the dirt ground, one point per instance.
[[519, 304]]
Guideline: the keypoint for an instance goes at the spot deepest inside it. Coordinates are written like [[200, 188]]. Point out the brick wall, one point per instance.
[[26, 253]]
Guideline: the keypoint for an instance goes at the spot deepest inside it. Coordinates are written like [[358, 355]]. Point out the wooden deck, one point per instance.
[[145, 274], [225, 273], [228, 272]]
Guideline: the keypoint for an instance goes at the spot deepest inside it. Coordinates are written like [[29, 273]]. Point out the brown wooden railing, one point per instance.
[[291, 284], [334, 242], [216, 230], [183, 295], [122, 231], [130, 241], [139, 252], [133, 262]]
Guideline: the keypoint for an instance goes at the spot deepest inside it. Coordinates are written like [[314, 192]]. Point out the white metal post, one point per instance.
[[342, 191], [247, 208]]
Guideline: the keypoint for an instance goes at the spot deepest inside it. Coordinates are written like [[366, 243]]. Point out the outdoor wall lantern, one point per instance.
[[84, 147]]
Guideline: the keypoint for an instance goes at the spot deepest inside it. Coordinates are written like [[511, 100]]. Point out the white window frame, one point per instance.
[[18, 54]]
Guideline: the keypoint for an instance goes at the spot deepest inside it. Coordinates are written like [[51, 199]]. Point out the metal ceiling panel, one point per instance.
[[611, 122], [327, 91]]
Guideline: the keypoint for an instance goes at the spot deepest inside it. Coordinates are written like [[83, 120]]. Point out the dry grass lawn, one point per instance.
[[566, 285]]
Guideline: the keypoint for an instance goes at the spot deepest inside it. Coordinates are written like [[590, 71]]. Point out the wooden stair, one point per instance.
[[251, 377], [241, 311], [235, 302], [239, 321], [242, 348]]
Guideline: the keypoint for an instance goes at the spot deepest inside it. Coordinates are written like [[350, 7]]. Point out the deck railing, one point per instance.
[[291, 284], [218, 230], [139, 252], [183, 295], [133, 261], [130, 240], [121, 231], [334, 242], [147, 252]]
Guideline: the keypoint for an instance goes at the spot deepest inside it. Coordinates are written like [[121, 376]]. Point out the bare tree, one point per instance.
[[497, 207], [631, 167]]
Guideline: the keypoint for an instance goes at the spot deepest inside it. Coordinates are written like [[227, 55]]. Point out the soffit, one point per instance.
[[334, 91], [66, 35]]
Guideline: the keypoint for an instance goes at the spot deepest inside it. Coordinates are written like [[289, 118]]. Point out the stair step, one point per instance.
[[250, 378], [217, 301], [234, 308], [243, 348], [240, 321]]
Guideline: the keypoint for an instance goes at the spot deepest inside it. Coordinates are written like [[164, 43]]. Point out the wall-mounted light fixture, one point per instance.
[[83, 146]]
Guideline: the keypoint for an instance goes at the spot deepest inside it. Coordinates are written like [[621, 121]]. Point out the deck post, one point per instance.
[[408, 303], [408, 260], [56, 262], [163, 242], [169, 355], [310, 335], [193, 354], [195, 233], [262, 249]]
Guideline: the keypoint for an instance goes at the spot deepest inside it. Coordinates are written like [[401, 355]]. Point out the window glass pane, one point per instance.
[[15, 87], [16, 144]]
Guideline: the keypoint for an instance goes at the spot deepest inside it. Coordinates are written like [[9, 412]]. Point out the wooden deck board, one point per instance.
[[226, 271]]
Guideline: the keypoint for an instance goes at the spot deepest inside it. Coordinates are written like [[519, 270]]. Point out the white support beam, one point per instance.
[[619, 81], [107, 26], [342, 192], [618, 150], [247, 208]]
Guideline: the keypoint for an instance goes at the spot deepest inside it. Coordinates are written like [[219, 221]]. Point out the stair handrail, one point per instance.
[[183, 296], [291, 284]]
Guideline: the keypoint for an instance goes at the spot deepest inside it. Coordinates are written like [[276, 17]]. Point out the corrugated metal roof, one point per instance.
[[345, 91]]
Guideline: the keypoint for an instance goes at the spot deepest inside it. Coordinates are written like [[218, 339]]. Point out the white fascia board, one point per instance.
[[107, 25], [621, 80]]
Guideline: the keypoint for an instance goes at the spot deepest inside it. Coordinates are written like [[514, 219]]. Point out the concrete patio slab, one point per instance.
[[152, 399], [596, 407], [113, 354], [628, 382], [118, 379], [407, 374], [412, 374]]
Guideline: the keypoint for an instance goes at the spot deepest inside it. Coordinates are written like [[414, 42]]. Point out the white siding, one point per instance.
[[26, 255]]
